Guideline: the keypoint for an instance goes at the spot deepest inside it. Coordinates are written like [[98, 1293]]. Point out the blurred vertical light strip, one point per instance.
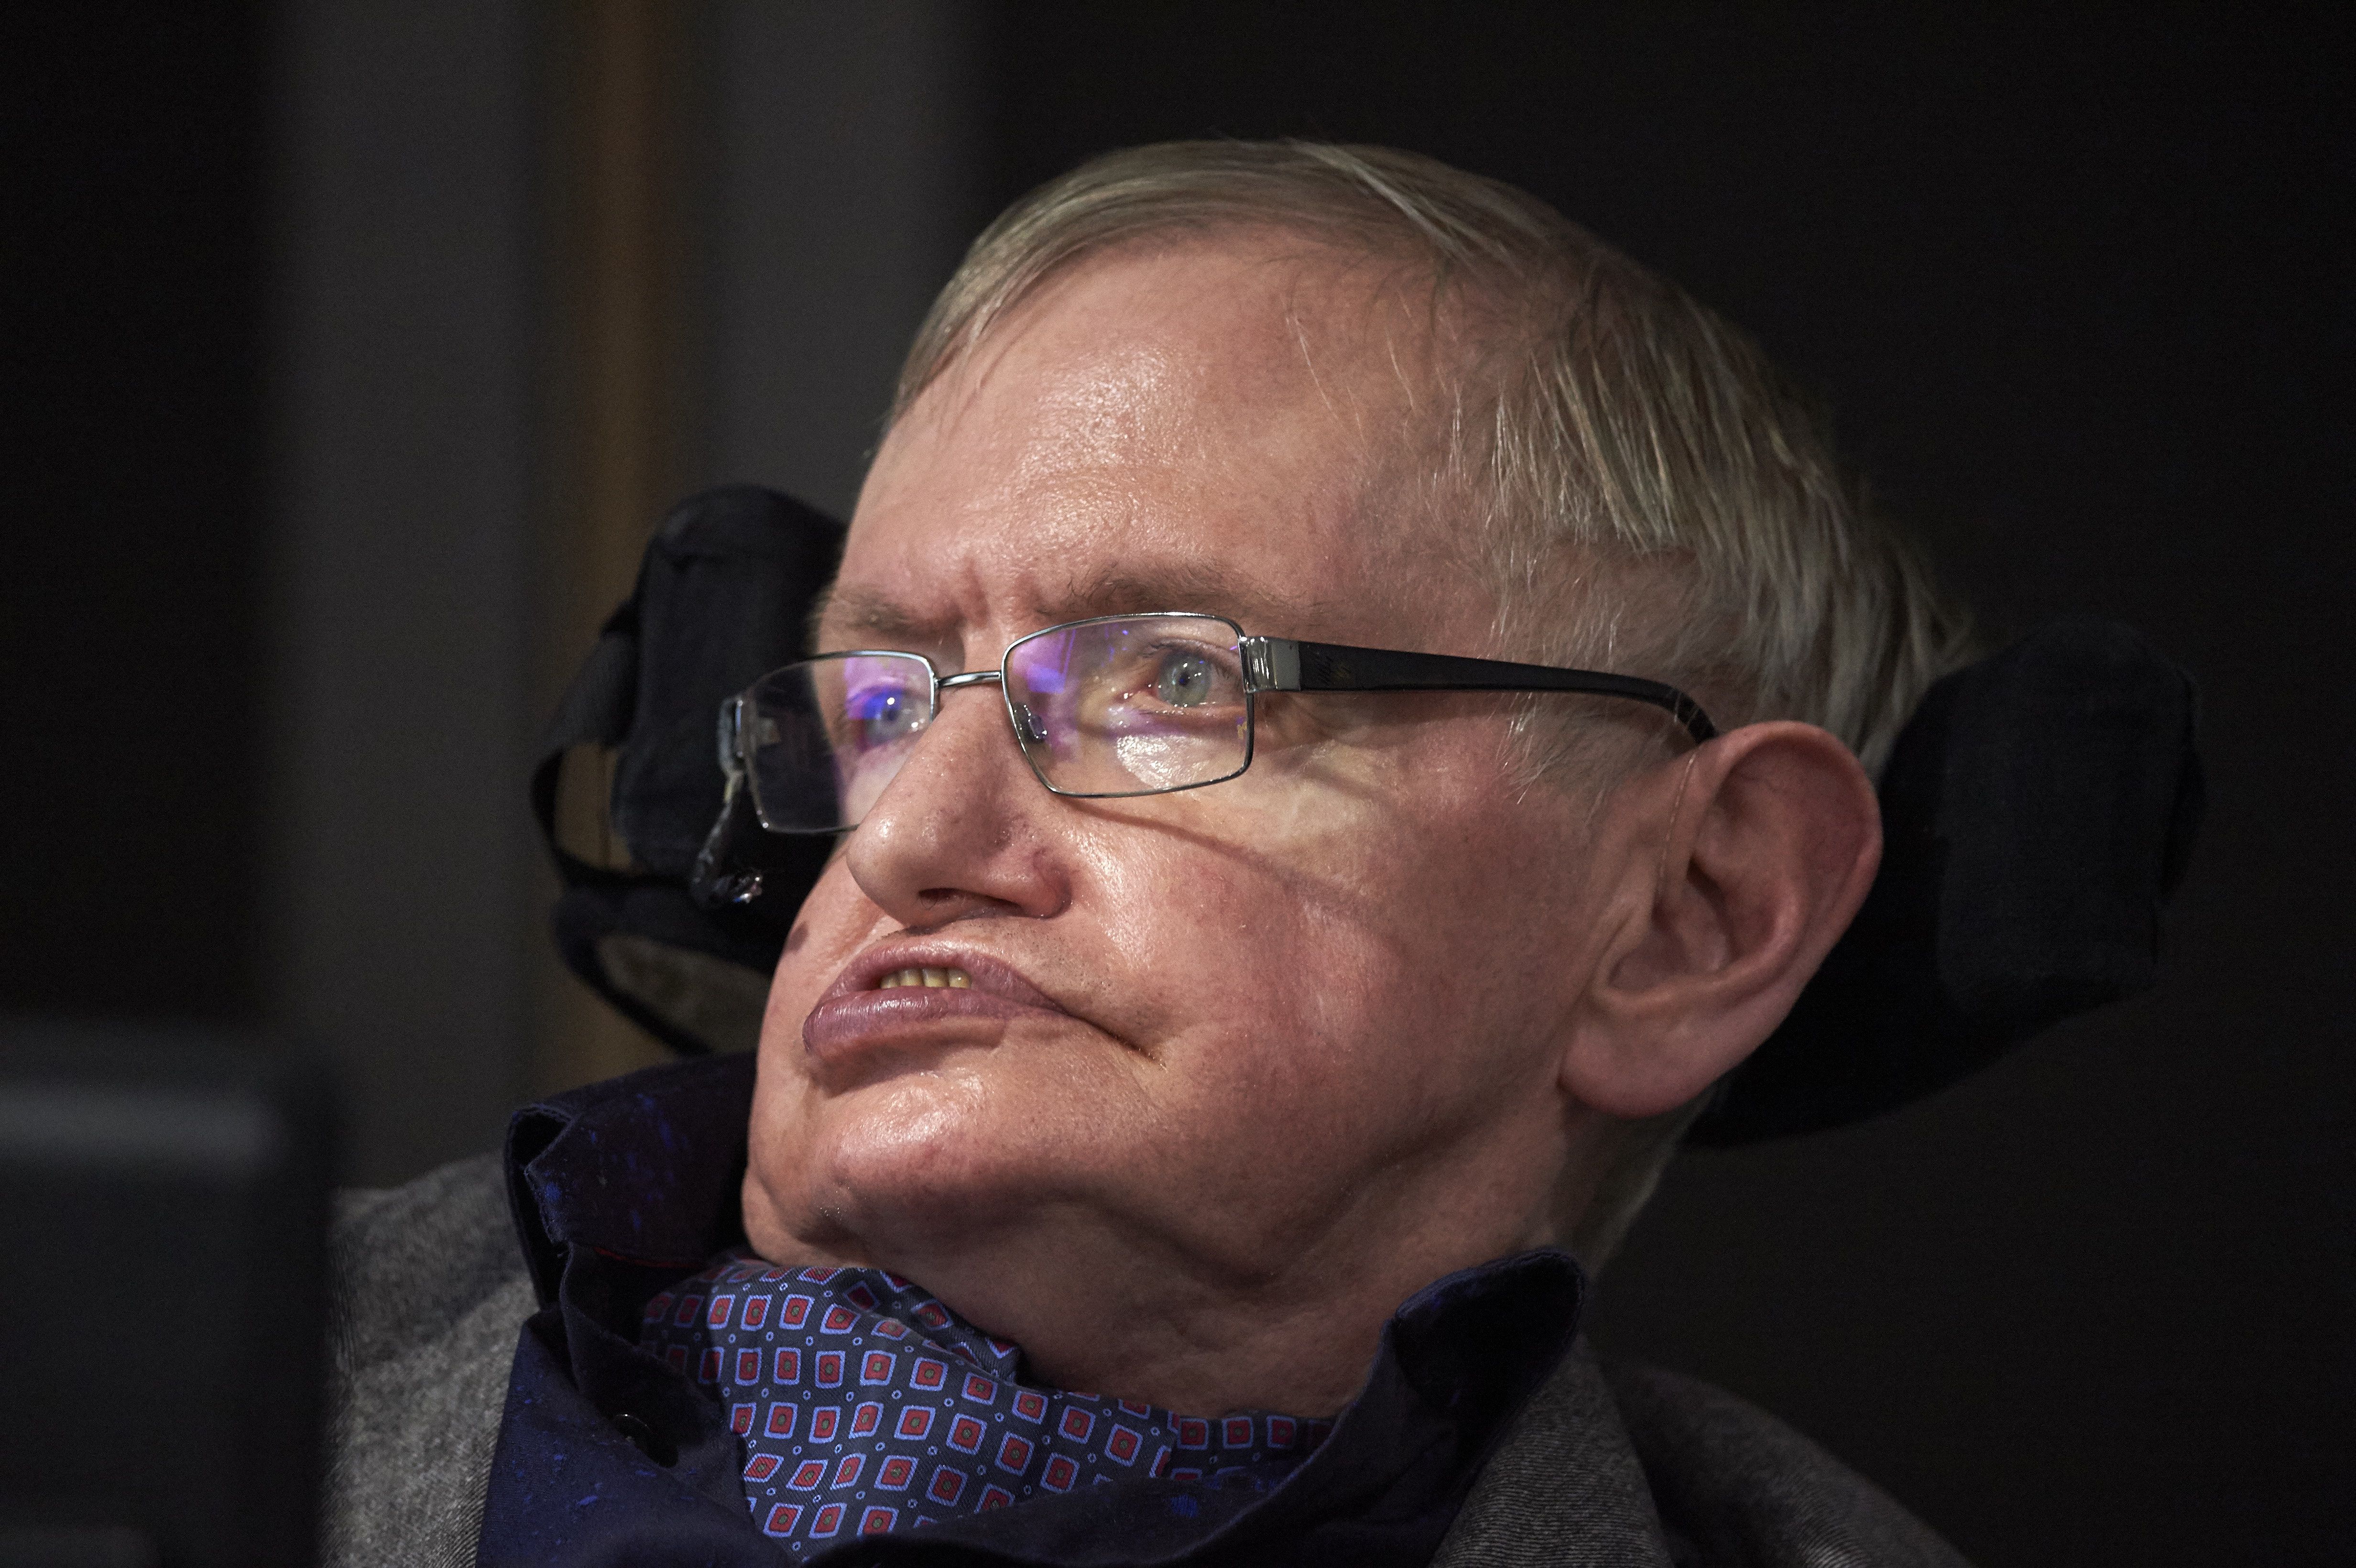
[[401, 388], [621, 225]]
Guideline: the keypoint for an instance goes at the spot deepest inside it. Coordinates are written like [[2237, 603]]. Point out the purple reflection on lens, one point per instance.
[[883, 701], [1044, 664]]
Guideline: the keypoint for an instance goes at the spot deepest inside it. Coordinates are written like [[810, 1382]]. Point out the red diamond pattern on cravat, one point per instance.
[[864, 1406]]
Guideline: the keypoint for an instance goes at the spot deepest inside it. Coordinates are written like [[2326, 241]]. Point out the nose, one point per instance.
[[960, 832]]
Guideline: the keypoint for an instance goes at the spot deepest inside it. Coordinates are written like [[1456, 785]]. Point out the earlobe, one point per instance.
[[1761, 845]]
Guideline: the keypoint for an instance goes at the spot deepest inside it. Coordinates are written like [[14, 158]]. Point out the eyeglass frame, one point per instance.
[[1269, 664]]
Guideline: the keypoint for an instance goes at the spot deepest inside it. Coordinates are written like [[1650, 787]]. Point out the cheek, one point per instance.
[[834, 921], [1334, 946]]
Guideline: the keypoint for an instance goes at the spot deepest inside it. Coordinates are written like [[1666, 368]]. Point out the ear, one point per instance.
[[1734, 870]]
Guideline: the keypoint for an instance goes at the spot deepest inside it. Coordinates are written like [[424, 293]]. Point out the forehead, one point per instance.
[[1236, 426]]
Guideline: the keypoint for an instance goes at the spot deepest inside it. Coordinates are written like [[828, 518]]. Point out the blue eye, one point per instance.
[[1184, 680], [883, 714]]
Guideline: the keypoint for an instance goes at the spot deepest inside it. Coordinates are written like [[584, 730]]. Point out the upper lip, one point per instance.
[[993, 976]]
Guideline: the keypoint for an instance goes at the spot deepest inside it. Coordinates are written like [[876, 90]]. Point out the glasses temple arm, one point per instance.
[[1280, 664]]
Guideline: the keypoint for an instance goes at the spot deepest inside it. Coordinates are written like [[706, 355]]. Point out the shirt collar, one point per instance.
[[648, 1167]]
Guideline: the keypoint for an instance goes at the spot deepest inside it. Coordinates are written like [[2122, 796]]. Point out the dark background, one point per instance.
[[130, 456], [2074, 285]]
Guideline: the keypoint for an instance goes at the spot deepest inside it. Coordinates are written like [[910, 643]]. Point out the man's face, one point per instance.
[[1248, 1040]]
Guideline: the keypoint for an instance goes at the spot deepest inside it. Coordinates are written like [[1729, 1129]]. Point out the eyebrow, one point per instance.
[[871, 618], [1180, 586], [867, 618]]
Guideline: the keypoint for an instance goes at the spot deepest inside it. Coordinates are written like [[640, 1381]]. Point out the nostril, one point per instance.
[[943, 904]]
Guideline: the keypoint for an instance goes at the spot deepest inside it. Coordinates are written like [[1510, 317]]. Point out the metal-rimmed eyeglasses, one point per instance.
[[1108, 707]]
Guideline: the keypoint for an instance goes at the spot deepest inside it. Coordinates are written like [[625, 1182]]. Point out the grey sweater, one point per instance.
[[1618, 1466]]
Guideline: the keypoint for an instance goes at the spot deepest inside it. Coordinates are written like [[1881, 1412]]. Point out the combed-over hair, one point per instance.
[[1649, 495]]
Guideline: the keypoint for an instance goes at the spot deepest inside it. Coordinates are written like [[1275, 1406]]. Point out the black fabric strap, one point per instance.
[[595, 710]]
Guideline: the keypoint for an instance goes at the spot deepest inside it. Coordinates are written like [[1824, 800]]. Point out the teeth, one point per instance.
[[955, 979]]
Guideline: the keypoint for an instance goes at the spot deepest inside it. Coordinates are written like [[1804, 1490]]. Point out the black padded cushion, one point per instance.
[[2036, 811], [723, 596]]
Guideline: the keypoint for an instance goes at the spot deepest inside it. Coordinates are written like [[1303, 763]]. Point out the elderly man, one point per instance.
[[1432, 671]]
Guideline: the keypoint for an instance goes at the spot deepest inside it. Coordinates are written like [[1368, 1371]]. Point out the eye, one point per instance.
[[1184, 680], [883, 714]]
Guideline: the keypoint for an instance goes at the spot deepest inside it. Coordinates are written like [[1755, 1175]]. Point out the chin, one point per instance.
[[897, 1170]]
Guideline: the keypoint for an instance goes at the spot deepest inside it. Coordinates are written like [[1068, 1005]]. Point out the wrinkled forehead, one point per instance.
[[1234, 426]]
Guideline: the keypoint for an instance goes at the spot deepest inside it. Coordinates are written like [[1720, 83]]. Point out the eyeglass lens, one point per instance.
[[824, 737], [1135, 705], [1128, 705]]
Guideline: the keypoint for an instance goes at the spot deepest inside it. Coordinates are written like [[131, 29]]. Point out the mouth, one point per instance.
[[919, 994]]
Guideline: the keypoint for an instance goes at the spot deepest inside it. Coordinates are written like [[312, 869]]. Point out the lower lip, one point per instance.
[[838, 1027]]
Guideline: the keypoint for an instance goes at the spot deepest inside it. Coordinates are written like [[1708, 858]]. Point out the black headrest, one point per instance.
[[723, 597], [2036, 811]]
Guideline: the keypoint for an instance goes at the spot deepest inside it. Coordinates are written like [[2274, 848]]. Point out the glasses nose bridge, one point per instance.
[[971, 677], [1028, 731], [945, 684]]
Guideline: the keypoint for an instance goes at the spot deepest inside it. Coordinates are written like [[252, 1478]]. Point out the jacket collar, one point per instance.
[[647, 1168]]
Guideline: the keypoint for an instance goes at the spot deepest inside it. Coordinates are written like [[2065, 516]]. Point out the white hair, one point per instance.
[[1647, 492]]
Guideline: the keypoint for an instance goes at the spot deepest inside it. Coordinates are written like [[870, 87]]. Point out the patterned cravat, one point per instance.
[[866, 1405]]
